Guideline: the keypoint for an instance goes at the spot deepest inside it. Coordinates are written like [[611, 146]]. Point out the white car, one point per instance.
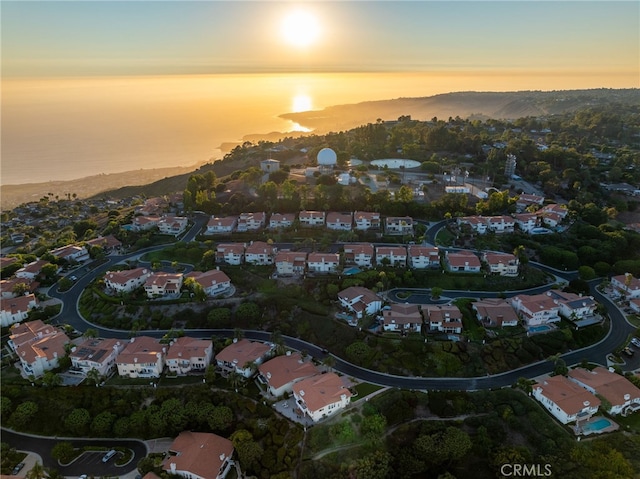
[[635, 342]]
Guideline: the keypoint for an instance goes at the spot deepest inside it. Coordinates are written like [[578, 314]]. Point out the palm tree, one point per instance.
[[91, 333], [36, 472], [329, 362], [235, 380], [276, 338], [238, 333], [94, 376]]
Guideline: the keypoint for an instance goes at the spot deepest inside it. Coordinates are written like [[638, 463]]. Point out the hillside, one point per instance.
[[482, 105]]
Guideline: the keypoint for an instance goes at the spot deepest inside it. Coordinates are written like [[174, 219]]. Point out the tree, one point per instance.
[[376, 465], [77, 422], [220, 418], [102, 424], [329, 361], [373, 427], [51, 379], [278, 341], [23, 415], [358, 352], [436, 292], [63, 452], [36, 472], [248, 312], [20, 289], [219, 318], [210, 374], [249, 451], [236, 379]]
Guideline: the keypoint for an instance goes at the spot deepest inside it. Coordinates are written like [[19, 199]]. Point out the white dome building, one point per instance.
[[327, 158]]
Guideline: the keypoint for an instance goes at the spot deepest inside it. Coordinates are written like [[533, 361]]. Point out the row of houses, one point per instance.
[[365, 255], [575, 397], [531, 310], [161, 284], [549, 215], [358, 220], [39, 346]]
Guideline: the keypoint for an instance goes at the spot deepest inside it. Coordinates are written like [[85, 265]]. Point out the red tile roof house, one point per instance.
[[213, 282], [321, 396], [549, 218], [365, 220], [526, 221], [360, 301], [251, 221], [574, 306], [500, 224], [536, 309], [189, 354], [291, 263], [71, 253], [476, 223], [525, 200], [260, 253], [565, 400], [462, 262], [221, 225], [311, 218], [143, 357], [199, 455], [398, 225], [230, 253], [163, 284], [172, 225], [402, 317], [96, 353], [108, 243], [145, 223], [495, 313], [241, 355], [503, 264], [31, 270], [4, 261], [282, 372], [340, 221], [623, 396], [38, 347], [421, 257], [626, 284], [7, 286], [443, 318], [323, 262], [360, 254], [281, 220], [14, 310], [126, 280], [396, 255]]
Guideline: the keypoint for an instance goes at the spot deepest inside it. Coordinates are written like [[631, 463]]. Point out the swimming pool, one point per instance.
[[539, 329], [353, 270], [596, 426]]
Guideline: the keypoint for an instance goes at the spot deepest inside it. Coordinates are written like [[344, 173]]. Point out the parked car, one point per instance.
[[109, 455], [636, 342], [17, 469], [628, 351]]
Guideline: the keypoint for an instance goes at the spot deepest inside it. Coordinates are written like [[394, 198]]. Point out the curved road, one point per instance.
[[43, 445], [618, 333]]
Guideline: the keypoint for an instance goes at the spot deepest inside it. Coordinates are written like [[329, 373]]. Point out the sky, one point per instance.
[[95, 38]]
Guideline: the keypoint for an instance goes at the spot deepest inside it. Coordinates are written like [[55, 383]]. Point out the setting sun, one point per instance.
[[300, 29]]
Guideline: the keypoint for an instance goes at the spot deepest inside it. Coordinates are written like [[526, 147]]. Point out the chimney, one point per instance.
[[172, 466]]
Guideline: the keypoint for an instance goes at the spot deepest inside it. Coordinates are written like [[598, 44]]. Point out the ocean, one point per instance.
[[68, 128]]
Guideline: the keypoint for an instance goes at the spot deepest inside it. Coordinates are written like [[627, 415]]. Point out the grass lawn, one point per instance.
[[634, 319], [630, 423], [364, 389], [444, 237]]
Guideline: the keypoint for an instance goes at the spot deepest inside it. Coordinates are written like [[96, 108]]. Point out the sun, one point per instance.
[[300, 29]]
